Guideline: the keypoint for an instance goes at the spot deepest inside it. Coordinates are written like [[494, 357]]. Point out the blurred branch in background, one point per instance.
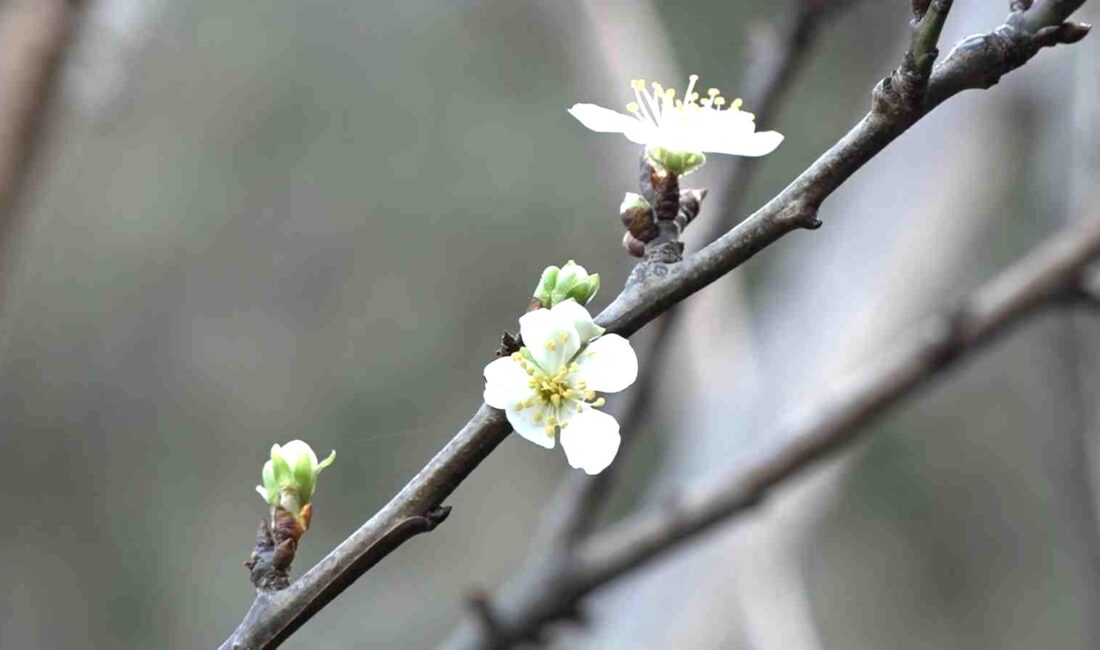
[[34, 38], [654, 287], [1053, 274]]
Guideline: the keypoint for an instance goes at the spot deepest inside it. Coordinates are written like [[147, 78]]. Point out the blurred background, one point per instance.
[[258, 222]]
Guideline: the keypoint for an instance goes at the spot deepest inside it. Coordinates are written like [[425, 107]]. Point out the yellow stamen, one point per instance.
[[692, 96]]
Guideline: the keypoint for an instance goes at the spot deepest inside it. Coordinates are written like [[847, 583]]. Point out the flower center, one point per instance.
[[661, 106], [556, 396]]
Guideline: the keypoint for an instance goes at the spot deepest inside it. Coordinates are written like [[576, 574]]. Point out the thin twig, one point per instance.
[[652, 288], [1040, 279]]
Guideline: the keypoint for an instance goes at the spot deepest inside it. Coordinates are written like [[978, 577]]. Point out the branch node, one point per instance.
[[269, 563], [653, 231], [1066, 33], [900, 97], [953, 329], [919, 7], [509, 344], [435, 516], [803, 214]]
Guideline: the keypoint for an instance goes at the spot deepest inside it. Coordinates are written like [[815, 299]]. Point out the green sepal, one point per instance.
[[304, 478], [280, 470], [325, 463], [676, 162], [546, 285], [583, 292]]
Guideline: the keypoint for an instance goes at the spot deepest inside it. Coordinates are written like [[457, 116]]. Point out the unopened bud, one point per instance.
[[570, 282], [636, 214], [290, 478]]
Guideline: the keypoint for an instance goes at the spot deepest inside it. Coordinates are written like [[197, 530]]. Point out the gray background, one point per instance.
[[257, 222]]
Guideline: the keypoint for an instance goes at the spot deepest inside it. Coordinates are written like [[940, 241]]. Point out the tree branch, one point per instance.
[[652, 288], [1043, 278]]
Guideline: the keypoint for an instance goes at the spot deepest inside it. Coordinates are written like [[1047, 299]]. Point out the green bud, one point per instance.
[[546, 285], [290, 477], [570, 282], [676, 162], [583, 292], [569, 277]]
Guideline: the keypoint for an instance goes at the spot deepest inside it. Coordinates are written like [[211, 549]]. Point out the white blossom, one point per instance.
[[550, 385], [688, 126]]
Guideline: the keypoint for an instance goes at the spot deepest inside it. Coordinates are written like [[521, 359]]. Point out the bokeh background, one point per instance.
[[262, 221]]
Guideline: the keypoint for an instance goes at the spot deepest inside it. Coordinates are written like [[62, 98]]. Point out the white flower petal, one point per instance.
[[591, 440], [608, 364], [571, 311], [602, 120], [550, 337], [295, 450], [505, 384], [525, 425], [642, 133], [756, 144]]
